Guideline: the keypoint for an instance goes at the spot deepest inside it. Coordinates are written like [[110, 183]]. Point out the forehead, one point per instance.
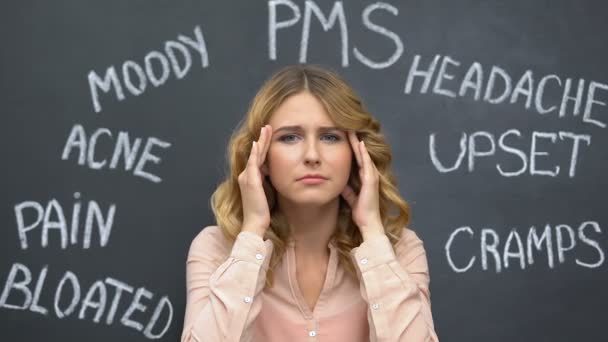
[[300, 109]]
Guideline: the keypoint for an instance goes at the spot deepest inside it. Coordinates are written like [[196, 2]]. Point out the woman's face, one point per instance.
[[304, 142]]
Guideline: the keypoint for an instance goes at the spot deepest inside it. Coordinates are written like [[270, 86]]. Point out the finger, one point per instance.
[[264, 137], [266, 143], [260, 146], [253, 155], [367, 161], [363, 168], [352, 137], [357, 150], [369, 158]]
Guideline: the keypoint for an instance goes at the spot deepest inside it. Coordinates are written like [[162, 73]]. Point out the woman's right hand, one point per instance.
[[256, 214]]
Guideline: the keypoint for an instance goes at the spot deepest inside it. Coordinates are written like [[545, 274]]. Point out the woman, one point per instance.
[[311, 242]]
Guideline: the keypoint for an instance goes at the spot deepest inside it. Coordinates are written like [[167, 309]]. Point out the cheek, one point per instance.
[[342, 161], [279, 161]]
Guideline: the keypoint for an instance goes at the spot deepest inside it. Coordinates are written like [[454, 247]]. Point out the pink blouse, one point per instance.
[[226, 300]]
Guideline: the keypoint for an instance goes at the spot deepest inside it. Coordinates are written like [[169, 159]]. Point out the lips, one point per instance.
[[312, 177]]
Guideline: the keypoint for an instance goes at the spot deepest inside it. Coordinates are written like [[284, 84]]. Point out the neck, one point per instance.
[[311, 227]]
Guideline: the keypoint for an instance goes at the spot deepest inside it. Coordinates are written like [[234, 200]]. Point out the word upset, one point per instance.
[[469, 148]]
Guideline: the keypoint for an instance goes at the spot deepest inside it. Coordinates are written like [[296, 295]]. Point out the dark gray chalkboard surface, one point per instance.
[[496, 112]]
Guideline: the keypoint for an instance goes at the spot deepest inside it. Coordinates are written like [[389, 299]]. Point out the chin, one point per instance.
[[312, 199]]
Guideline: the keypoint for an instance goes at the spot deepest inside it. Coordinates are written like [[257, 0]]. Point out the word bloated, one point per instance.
[[27, 296]]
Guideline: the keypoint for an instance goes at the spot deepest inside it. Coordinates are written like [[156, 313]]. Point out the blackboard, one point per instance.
[[115, 119]]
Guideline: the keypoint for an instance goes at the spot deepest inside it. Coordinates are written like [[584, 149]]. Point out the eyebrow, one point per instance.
[[299, 128]]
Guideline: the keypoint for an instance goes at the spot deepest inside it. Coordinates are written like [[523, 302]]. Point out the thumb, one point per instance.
[[349, 195]]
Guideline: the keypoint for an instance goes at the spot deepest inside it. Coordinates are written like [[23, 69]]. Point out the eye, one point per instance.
[[331, 137], [285, 137], [334, 137]]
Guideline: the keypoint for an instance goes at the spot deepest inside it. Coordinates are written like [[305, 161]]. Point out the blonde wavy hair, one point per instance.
[[348, 113]]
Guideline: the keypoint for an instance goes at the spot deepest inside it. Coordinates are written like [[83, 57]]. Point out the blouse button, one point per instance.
[[247, 299], [375, 306], [312, 333], [364, 261], [259, 256]]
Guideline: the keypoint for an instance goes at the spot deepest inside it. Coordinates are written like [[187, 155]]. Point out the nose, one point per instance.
[[311, 154]]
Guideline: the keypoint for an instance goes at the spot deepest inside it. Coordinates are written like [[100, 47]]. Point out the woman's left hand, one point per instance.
[[366, 205]]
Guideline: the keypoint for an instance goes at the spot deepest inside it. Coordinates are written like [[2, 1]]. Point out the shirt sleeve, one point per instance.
[[396, 288], [223, 296]]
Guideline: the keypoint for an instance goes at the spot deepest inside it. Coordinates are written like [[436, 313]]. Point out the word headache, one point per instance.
[[514, 247], [53, 208], [469, 147], [96, 299], [525, 88], [124, 147], [157, 77]]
